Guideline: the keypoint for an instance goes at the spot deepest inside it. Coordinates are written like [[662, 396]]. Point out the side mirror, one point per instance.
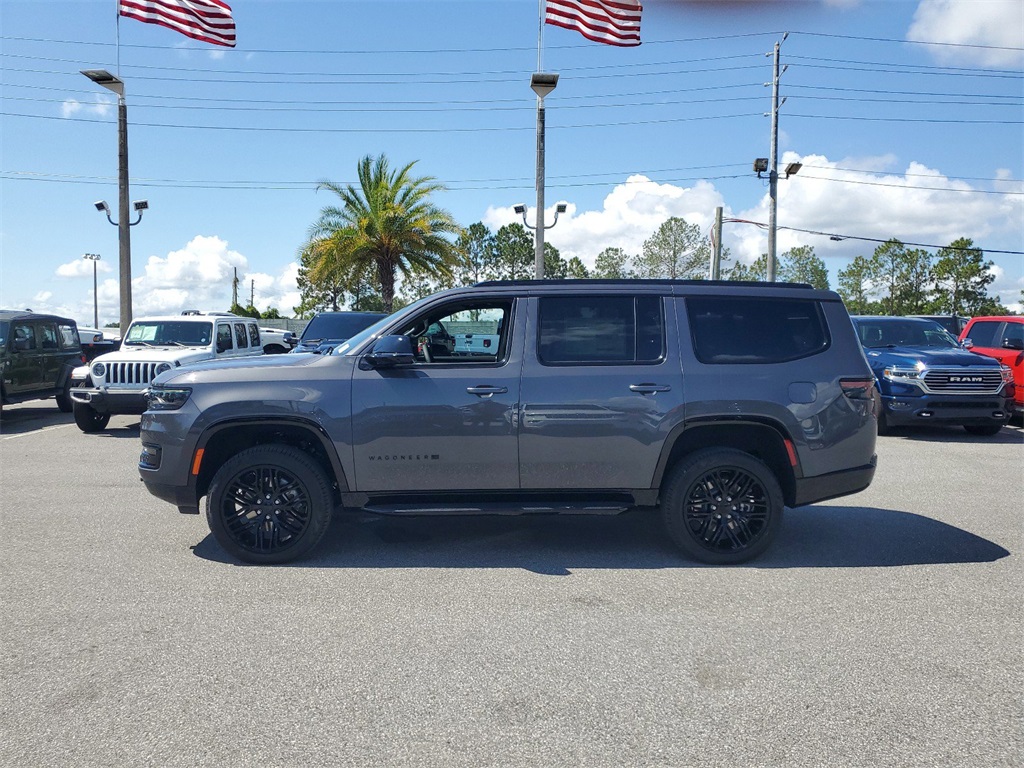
[[1017, 344], [391, 351], [967, 344]]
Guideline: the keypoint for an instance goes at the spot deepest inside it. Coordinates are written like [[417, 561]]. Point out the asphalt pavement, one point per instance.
[[883, 629]]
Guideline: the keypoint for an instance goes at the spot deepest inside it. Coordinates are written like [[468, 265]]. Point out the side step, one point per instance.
[[500, 508]]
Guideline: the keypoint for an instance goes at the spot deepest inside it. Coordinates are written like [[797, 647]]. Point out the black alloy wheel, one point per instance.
[[722, 506], [269, 504]]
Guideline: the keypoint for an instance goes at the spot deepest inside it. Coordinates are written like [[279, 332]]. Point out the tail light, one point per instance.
[[858, 389]]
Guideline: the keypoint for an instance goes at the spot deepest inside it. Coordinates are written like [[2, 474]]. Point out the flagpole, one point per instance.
[[540, 34], [117, 37]]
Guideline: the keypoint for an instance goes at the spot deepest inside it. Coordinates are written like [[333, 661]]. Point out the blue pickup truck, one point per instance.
[[924, 376]]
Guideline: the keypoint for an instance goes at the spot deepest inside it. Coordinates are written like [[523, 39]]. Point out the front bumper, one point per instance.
[[946, 409], [129, 401]]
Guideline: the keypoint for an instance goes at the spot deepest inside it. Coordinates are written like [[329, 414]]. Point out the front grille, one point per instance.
[[963, 381], [130, 374]]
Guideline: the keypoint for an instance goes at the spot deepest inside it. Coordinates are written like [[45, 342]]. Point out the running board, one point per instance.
[[500, 508]]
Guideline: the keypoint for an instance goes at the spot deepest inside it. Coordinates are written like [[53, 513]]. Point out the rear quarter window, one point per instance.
[[735, 330]]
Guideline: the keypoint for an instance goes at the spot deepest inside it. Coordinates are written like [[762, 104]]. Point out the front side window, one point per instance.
[[224, 337], [473, 332], [983, 333], [733, 329], [24, 337]]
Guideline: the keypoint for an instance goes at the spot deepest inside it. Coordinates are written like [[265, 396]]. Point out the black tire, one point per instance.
[[983, 430], [269, 504], [89, 419], [722, 506], [64, 401], [884, 427]]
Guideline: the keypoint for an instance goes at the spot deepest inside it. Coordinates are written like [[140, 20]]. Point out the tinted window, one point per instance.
[[241, 339], [224, 337], [601, 329], [743, 330], [254, 336], [24, 337], [1014, 331], [47, 335], [983, 333]]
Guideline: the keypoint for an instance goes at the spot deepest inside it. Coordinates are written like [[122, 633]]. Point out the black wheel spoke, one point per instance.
[[726, 509], [265, 509]]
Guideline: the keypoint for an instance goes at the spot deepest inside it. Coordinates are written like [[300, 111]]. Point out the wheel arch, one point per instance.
[[223, 440], [764, 440]]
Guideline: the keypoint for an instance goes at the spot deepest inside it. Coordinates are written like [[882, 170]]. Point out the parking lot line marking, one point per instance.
[[35, 431]]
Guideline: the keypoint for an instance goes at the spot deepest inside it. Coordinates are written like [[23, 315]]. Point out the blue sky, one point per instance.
[[898, 139]]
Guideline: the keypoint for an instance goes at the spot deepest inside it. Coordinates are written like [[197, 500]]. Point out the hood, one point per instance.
[[168, 354], [258, 367], [933, 357]]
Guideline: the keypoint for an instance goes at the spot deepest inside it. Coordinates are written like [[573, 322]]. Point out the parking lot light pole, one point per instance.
[[542, 84], [94, 257], [115, 84]]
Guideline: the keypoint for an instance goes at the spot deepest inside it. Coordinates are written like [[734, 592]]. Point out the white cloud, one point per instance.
[[99, 105], [631, 213], [998, 24], [82, 268]]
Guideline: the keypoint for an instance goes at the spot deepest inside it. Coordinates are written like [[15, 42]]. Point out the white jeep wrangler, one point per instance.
[[117, 381]]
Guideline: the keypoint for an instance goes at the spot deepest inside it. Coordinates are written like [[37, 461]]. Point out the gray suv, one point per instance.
[[718, 403]]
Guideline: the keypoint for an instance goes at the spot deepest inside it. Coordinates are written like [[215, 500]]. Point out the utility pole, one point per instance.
[[773, 163], [715, 271], [252, 293], [234, 289]]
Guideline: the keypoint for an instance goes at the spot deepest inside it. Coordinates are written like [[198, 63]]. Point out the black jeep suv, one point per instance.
[[37, 354], [718, 402]]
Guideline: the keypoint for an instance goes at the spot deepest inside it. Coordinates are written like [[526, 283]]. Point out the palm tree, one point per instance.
[[384, 227]]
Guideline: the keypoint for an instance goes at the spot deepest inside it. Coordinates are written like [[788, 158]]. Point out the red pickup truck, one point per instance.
[[1003, 339]]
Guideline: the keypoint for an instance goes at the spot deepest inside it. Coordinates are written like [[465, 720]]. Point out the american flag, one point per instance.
[[615, 22], [206, 20]]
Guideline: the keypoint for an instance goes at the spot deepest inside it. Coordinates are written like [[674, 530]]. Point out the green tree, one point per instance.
[[756, 271], [249, 311], [613, 264], [676, 251], [272, 314], [576, 269], [386, 226], [961, 279], [555, 267], [515, 253], [480, 255], [802, 265], [855, 287], [901, 277]]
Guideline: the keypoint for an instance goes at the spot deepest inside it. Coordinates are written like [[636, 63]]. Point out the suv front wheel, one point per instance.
[[722, 506], [89, 419], [269, 504]]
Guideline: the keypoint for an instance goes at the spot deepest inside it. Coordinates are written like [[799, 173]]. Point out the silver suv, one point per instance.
[[718, 403]]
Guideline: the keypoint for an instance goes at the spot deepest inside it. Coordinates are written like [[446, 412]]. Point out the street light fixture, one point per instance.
[[542, 84], [94, 257], [521, 210], [113, 83], [138, 205]]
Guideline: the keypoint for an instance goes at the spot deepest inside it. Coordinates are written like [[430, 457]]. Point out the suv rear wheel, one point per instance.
[[722, 506], [64, 402], [269, 504]]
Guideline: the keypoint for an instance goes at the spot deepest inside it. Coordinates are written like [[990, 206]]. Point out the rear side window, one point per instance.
[[47, 334], [730, 330], [1013, 332], [68, 336], [241, 339], [983, 333], [254, 335], [601, 330]]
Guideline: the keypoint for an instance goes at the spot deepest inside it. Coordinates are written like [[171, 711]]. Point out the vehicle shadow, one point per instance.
[[811, 537], [19, 419]]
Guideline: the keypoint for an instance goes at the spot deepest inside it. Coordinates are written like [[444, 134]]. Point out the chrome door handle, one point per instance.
[[486, 391], [649, 389]]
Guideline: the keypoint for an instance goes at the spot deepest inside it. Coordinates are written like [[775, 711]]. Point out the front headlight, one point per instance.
[[901, 375], [167, 398], [99, 370]]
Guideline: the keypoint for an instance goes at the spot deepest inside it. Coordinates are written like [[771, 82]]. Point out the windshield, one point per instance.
[[342, 325], [367, 333], [878, 334], [169, 333]]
